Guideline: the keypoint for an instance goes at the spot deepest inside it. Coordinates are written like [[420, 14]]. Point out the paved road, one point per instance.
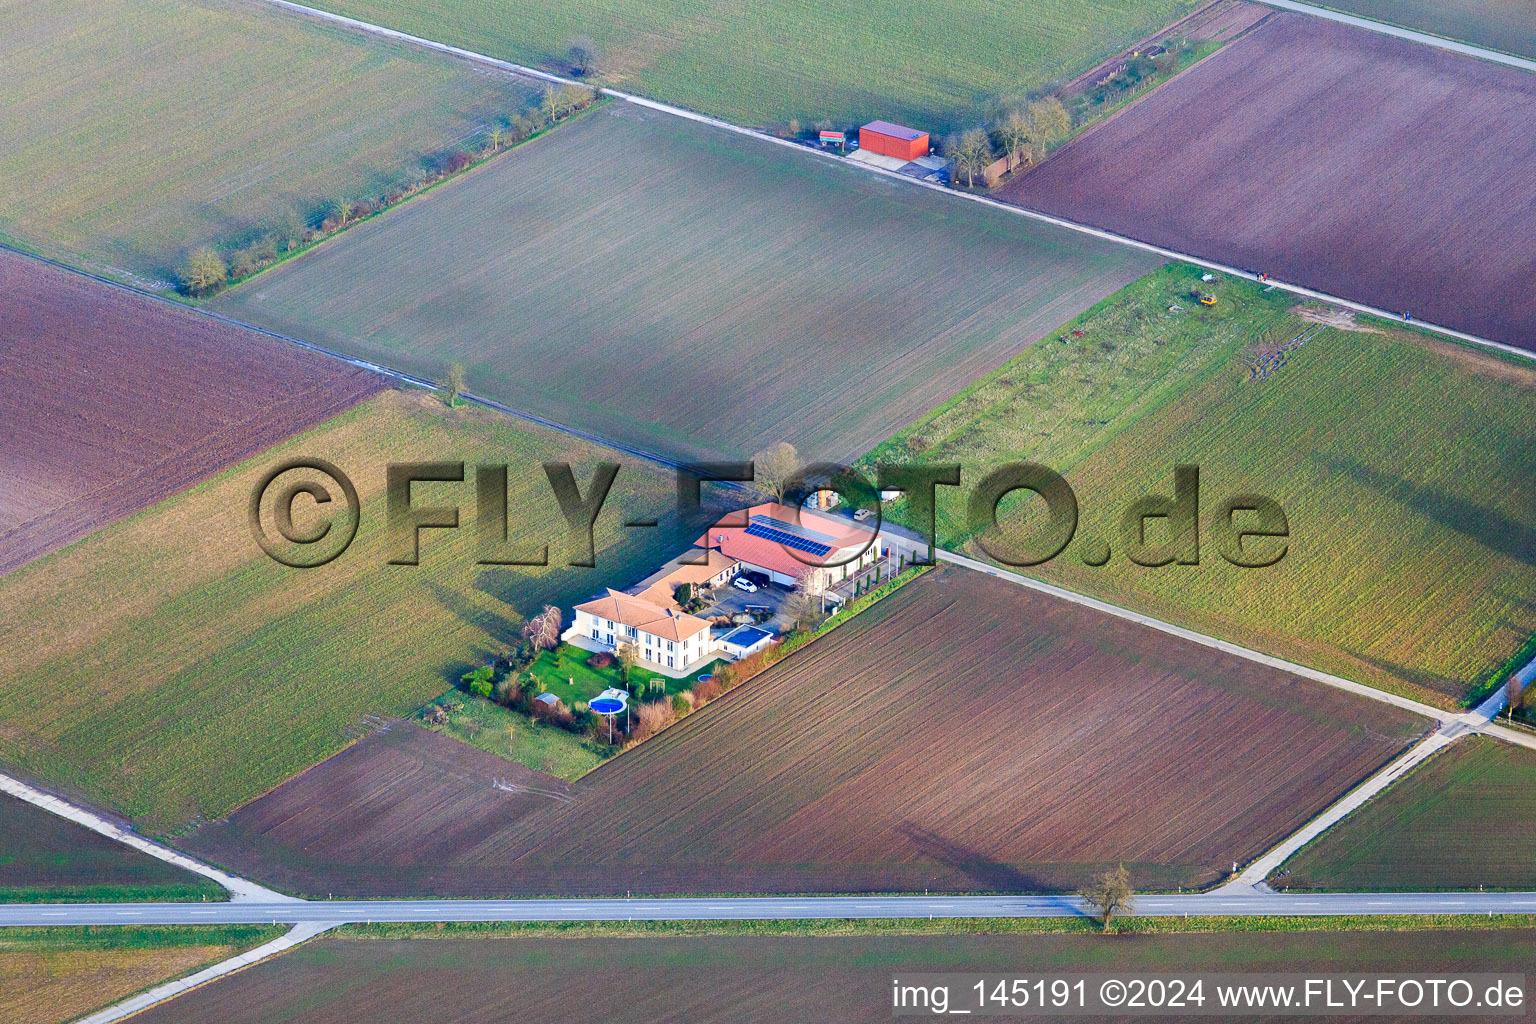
[[762, 908], [1404, 33]]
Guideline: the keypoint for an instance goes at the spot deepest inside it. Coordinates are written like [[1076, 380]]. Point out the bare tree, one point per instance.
[[1049, 124], [550, 105], [1110, 894], [454, 384], [1515, 696], [1015, 132], [572, 98], [543, 630], [495, 139], [774, 467], [971, 151], [204, 271], [582, 56], [803, 607], [628, 658]]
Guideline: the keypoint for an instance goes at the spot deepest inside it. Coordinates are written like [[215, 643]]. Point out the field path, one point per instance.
[[171, 989], [1016, 210], [240, 890], [1404, 33]]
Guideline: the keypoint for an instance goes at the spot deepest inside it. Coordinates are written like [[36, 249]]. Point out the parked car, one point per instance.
[[757, 579], [862, 514], [742, 583]]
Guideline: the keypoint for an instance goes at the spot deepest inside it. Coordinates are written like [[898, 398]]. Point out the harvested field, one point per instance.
[[46, 859], [962, 734], [749, 293], [1462, 820], [926, 63], [1505, 25], [774, 980], [1365, 166], [50, 976], [113, 401], [138, 130], [425, 798], [1406, 468], [174, 672]]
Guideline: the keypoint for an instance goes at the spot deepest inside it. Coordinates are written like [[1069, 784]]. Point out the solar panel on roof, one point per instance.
[[797, 529], [788, 539]]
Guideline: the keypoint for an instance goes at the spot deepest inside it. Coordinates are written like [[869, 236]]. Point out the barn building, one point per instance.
[[893, 140]]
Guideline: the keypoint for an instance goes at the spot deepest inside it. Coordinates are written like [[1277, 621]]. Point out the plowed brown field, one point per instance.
[[732, 979], [1369, 167], [112, 401], [963, 734]]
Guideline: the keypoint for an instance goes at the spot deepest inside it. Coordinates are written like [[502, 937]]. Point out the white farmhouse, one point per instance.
[[665, 639]]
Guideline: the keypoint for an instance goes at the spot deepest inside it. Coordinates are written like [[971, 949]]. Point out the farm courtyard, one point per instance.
[[963, 734], [1406, 468], [668, 285], [1368, 167], [138, 130], [174, 672]]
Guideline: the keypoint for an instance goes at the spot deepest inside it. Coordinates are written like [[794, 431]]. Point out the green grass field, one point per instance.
[[137, 130], [46, 859], [673, 286], [1406, 468], [1506, 25], [1461, 820], [173, 672], [930, 64], [566, 674], [499, 730]]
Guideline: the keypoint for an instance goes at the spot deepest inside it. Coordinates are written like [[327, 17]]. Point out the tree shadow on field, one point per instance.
[[989, 874], [1409, 674], [499, 628], [1489, 527]]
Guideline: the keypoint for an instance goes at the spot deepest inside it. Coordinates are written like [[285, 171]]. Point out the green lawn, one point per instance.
[[749, 293], [1406, 468], [136, 130], [565, 673], [47, 859], [505, 733], [1461, 820], [1506, 25], [173, 672], [927, 63]]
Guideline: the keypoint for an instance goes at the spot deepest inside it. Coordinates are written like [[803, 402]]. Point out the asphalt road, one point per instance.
[[763, 908]]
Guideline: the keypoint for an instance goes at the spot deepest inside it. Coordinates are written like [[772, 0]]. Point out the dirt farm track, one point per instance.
[[1365, 166], [113, 401]]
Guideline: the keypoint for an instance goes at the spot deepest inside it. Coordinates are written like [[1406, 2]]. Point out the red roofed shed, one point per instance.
[[893, 140]]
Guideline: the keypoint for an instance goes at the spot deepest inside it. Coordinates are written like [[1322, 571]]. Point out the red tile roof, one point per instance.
[[667, 623], [731, 538]]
